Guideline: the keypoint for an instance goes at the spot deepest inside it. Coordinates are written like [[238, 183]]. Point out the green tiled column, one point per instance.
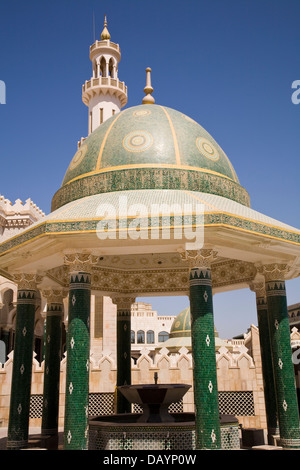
[[208, 435], [123, 349], [78, 354], [287, 404], [266, 358], [53, 335], [17, 437]]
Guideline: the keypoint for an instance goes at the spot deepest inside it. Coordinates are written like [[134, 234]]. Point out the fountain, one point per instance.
[[155, 400], [156, 427]]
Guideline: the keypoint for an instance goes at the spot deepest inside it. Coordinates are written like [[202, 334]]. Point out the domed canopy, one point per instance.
[[149, 147]]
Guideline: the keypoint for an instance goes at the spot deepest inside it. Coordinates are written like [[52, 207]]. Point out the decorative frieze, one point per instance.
[[232, 221], [150, 178], [171, 277]]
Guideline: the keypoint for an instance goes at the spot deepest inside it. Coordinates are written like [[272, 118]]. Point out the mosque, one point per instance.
[[149, 205]]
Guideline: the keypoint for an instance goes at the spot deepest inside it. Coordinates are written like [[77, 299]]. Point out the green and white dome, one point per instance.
[[149, 147], [180, 333]]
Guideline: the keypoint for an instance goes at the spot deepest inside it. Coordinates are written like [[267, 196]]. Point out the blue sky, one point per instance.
[[228, 64]]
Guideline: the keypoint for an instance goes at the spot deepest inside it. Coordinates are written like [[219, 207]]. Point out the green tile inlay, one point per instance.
[[205, 369], [78, 352], [287, 404], [17, 437]]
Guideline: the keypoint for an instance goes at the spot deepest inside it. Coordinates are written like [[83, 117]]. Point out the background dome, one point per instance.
[[180, 333], [181, 325], [149, 147]]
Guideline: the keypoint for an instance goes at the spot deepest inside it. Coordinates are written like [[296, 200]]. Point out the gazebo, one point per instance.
[[150, 205]]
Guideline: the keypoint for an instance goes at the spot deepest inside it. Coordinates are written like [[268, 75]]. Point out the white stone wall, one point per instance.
[[110, 104]]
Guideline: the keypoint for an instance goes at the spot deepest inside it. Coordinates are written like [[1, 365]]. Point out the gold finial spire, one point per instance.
[[148, 99], [105, 34]]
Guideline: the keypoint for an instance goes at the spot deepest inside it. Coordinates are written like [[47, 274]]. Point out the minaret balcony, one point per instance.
[[105, 46], [104, 85]]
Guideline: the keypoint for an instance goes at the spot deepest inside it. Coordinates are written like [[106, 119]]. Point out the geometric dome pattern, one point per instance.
[[149, 135], [149, 147]]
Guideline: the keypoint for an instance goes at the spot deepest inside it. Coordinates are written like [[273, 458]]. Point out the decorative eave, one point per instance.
[[42, 246]]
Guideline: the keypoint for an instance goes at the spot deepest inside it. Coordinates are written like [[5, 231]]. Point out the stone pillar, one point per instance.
[[123, 349], [78, 352], [266, 358], [287, 404], [18, 427], [52, 351], [208, 435]]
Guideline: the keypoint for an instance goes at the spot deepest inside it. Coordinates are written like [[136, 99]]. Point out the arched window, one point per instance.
[[163, 336], [132, 337], [95, 69], [111, 68], [150, 337], [140, 337], [103, 67]]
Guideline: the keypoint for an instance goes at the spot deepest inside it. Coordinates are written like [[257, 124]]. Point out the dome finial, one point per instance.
[[148, 99], [105, 34]]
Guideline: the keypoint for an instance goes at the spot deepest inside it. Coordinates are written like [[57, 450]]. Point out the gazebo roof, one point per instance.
[[237, 231]]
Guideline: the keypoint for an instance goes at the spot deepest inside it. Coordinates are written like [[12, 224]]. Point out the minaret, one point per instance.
[[104, 93]]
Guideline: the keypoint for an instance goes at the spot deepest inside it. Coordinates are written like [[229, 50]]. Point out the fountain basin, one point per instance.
[[124, 432], [155, 399], [156, 428]]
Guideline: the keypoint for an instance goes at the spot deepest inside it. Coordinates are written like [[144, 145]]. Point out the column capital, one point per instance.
[[123, 302], [54, 295], [259, 287], [80, 262], [27, 281], [274, 271], [199, 258]]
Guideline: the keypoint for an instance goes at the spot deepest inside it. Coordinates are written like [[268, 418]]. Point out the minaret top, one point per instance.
[[104, 93], [148, 99], [105, 34]]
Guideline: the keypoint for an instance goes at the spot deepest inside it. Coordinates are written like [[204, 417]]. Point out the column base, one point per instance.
[[17, 445], [289, 443]]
